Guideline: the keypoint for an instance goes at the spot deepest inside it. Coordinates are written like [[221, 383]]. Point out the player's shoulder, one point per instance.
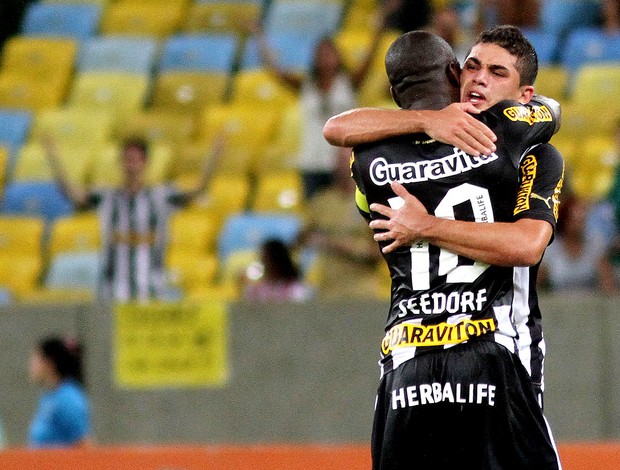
[[539, 109]]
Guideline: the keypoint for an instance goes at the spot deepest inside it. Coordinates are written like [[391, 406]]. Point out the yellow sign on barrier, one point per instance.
[[171, 345]]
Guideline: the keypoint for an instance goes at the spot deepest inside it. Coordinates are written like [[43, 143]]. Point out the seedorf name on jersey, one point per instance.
[[382, 172]]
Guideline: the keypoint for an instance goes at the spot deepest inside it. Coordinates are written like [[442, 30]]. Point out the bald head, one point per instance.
[[422, 70]]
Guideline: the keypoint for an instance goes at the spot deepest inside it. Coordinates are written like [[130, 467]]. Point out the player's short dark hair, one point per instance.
[[65, 355], [418, 58], [514, 41]]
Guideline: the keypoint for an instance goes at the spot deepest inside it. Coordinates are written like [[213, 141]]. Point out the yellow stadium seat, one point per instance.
[[193, 231], [188, 92], [226, 194], [221, 17], [353, 45], [568, 145], [40, 59], [235, 267], [4, 158], [190, 272], [120, 93], [73, 126], [376, 89], [132, 18], [552, 81], [20, 274], [96, 2], [280, 191], [107, 170], [593, 172], [27, 93], [246, 136], [360, 16], [282, 152], [597, 86], [32, 163], [259, 87], [76, 233], [158, 126], [21, 236], [581, 120]]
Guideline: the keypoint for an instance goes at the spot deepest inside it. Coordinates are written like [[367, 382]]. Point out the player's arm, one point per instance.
[[78, 196], [520, 243], [453, 125]]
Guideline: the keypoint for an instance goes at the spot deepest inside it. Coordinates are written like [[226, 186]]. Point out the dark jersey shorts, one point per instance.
[[471, 406]]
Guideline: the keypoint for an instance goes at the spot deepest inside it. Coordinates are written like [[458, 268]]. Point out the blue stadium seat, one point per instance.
[[293, 51], [39, 199], [117, 54], [74, 270], [72, 20], [305, 17], [247, 230], [14, 129], [561, 16], [546, 43], [199, 53], [589, 46]]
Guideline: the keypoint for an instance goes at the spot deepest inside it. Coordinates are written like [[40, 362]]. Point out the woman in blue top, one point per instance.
[[63, 415]]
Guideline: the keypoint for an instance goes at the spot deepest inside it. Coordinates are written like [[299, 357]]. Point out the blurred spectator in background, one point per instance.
[[328, 89], [575, 261], [280, 279], [446, 23], [11, 14], [63, 416], [522, 13], [407, 15], [347, 255], [611, 16], [134, 221]]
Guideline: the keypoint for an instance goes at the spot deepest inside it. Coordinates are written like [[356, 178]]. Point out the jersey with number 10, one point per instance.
[[440, 299]]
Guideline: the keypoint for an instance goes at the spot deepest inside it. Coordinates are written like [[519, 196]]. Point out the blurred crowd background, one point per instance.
[[259, 78]]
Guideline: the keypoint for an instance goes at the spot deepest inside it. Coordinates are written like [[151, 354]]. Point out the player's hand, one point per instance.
[[403, 226], [456, 126]]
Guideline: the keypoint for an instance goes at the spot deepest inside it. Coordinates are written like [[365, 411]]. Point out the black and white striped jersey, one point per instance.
[[439, 299], [134, 232]]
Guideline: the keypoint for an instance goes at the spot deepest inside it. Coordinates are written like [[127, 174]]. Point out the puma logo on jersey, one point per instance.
[[546, 200]]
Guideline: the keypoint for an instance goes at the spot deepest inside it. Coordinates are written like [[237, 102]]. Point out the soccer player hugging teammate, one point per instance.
[[462, 235]]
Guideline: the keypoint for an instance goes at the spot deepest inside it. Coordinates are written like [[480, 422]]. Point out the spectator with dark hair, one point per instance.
[[134, 221], [63, 416], [281, 279]]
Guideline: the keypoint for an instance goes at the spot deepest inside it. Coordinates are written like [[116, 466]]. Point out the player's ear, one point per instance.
[[454, 73], [395, 96], [527, 93]]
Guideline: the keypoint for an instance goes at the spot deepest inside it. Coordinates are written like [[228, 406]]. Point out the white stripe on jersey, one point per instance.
[[505, 333], [521, 312]]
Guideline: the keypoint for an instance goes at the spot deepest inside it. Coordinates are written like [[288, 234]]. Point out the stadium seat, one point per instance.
[[221, 17], [117, 54], [282, 152], [74, 270], [587, 46], [375, 90], [32, 163], [597, 86], [14, 129], [190, 273], [359, 16], [20, 274], [35, 199], [579, 120], [78, 21], [552, 81], [546, 44], [193, 231], [207, 53], [188, 92], [561, 16], [73, 126], [21, 235], [246, 137], [238, 263], [120, 93], [151, 19], [106, 170], [260, 87], [293, 51], [31, 94], [225, 195], [307, 17], [279, 191], [40, 58], [593, 172], [157, 126], [249, 229], [4, 164], [76, 233]]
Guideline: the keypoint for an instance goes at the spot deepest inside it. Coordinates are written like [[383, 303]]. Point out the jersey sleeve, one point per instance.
[[541, 176], [360, 193]]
